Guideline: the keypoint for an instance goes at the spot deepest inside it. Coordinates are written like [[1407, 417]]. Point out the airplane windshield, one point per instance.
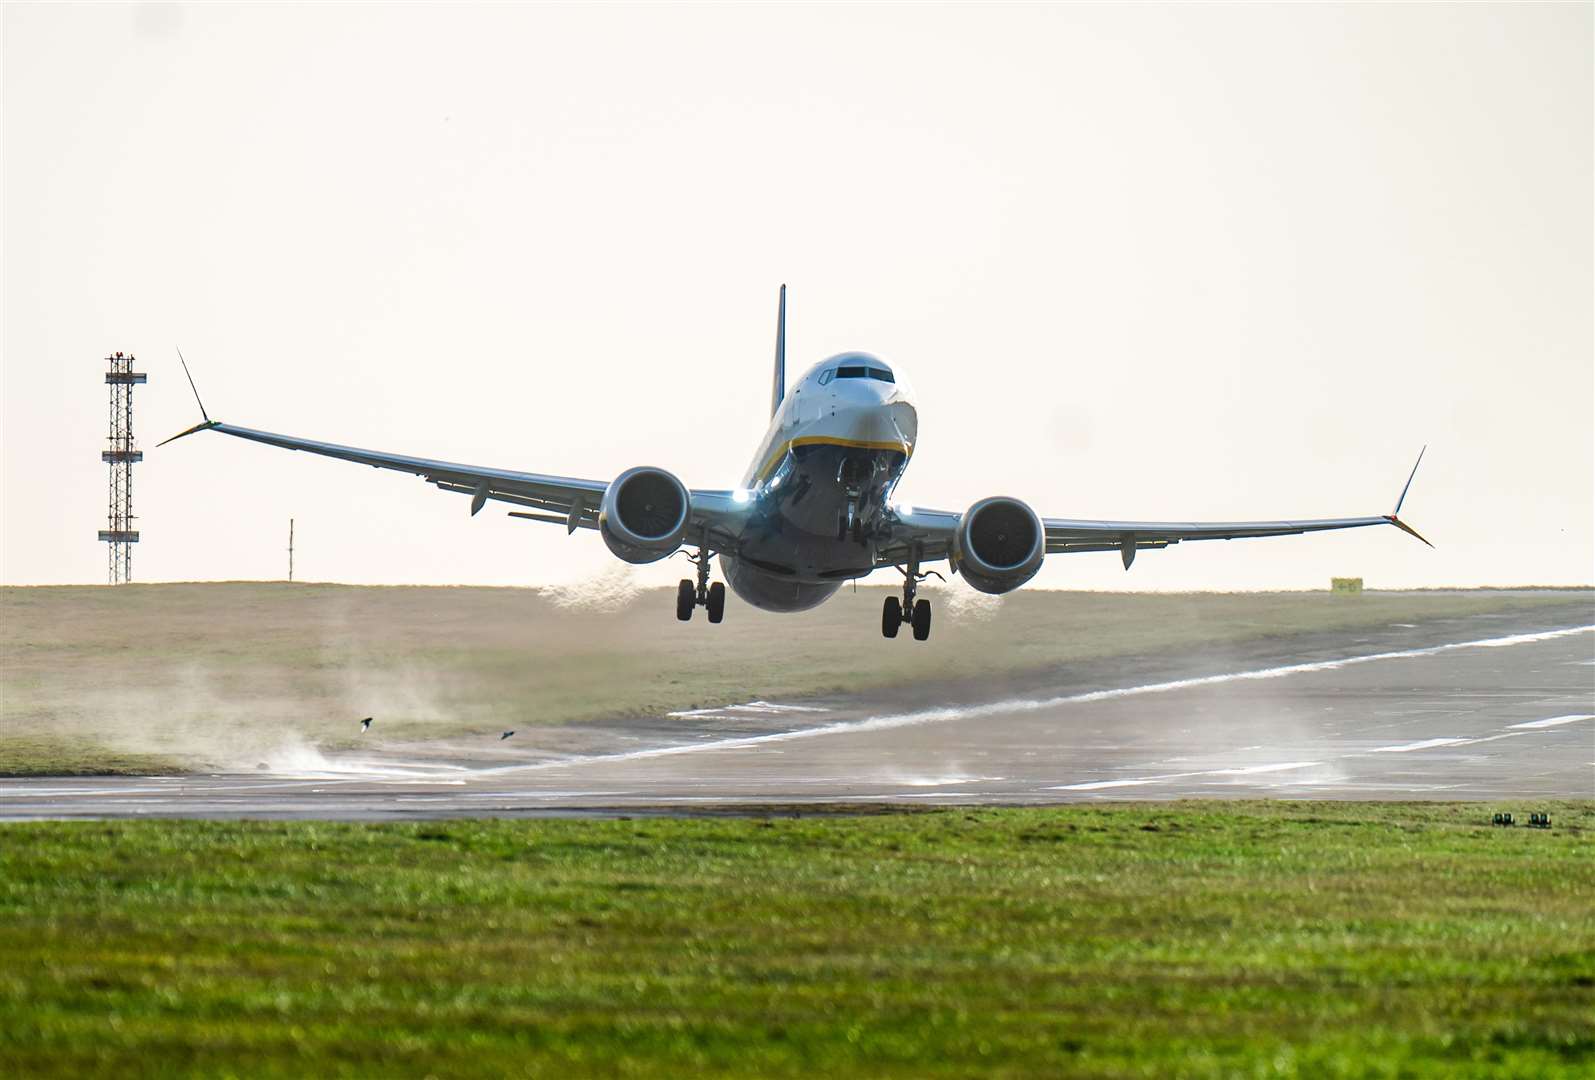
[[861, 372]]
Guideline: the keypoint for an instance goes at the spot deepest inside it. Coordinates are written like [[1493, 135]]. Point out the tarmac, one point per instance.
[[1484, 708]]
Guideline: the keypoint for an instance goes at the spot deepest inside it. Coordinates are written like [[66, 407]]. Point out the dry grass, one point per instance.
[[148, 677]]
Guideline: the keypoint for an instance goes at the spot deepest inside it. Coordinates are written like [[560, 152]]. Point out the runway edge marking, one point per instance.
[[997, 708], [1555, 721]]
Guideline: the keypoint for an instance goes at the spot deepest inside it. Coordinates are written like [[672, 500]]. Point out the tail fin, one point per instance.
[[780, 356]]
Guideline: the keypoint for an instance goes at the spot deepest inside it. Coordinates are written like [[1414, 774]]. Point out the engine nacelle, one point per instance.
[[999, 544], [643, 517]]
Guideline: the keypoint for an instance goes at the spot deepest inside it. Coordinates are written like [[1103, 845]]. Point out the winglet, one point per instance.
[[206, 426], [206, 415], [208, 423], [1393, 517], [1408, 484], [1404, 527], [779, 392]]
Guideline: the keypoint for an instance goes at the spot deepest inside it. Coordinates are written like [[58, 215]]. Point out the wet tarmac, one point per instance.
[[1490, 707]]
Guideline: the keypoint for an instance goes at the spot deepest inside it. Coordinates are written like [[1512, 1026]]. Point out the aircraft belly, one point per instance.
[[790, 556], [773, 592]]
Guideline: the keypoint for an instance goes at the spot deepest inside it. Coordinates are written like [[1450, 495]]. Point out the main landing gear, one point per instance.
[[689, 596], [895, 612]]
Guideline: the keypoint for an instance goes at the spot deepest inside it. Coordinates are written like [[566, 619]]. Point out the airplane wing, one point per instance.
[[1126, 537], [931, 531], [560, 500]]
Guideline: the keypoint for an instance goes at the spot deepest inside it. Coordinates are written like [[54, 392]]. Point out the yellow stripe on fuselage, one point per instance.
[[904, 448]]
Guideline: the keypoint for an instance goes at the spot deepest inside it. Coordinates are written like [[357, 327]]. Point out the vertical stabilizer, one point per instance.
[[780, 356]]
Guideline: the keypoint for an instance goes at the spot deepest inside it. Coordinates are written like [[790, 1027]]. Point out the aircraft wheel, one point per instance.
[[717, 601], [891, 616], [686, 600], [921, 620]]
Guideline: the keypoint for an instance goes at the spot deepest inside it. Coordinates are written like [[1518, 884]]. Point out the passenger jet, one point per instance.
[[815, 507]]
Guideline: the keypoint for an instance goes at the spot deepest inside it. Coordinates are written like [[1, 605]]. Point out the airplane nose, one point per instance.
[[881, 424], [863, 393]]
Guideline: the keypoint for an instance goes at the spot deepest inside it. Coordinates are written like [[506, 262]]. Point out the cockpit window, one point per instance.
[[827, 375], [860, 372]]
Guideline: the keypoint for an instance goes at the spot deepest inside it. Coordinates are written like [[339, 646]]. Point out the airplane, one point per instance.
[[814, 509]]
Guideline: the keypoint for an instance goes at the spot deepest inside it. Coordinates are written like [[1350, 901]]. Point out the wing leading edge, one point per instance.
[[1127, 537], [561, 500], [931, 531], [1066, 535]]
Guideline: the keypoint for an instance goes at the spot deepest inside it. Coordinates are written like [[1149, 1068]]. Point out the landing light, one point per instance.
[[741, 495]]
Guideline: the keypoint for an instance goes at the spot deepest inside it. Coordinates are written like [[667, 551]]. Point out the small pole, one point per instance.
[[290, 549]]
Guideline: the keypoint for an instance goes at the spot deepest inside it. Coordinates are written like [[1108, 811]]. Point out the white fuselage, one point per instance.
[[821, 482]]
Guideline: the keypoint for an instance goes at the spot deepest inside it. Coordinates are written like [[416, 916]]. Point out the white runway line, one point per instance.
[[931, 781], [997, 708], [1097, 785], [1254, 769], [1554, 721], [1247, 770], [1426, 744], [766, 707]]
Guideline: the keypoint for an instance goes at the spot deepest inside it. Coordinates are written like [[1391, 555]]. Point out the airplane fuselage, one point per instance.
[[821, 483]]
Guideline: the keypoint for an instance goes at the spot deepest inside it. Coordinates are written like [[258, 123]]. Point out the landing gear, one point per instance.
[[848, 520], [689, 594], [915, 612]]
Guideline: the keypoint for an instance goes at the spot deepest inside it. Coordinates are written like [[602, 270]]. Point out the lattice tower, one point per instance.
[[119, 533]]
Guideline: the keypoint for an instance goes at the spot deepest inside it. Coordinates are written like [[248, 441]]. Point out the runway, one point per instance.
[[1491, 707]]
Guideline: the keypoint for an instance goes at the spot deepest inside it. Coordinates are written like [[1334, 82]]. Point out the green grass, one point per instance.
[[1208, 940], [166, 677]]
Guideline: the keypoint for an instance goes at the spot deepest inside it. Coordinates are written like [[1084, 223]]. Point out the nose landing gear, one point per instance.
[[854, 475], [690, 595], [850, 522], [916, 613]]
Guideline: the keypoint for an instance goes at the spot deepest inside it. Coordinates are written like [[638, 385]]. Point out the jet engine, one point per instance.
[[999, 544], [643, 517]]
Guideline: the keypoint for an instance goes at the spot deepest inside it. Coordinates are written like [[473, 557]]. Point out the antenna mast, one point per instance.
[[119, 532]]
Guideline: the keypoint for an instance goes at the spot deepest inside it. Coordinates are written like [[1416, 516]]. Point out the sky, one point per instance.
[[1146, 262]]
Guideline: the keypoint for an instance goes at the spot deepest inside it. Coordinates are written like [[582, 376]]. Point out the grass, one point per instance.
[[1198, 940], [146, 678]]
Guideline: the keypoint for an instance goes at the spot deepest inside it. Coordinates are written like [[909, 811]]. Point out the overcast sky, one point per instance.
[[1139, 262]]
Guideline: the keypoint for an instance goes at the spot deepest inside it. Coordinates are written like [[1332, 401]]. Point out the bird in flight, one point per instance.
[[366, 723], [506, 735]]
